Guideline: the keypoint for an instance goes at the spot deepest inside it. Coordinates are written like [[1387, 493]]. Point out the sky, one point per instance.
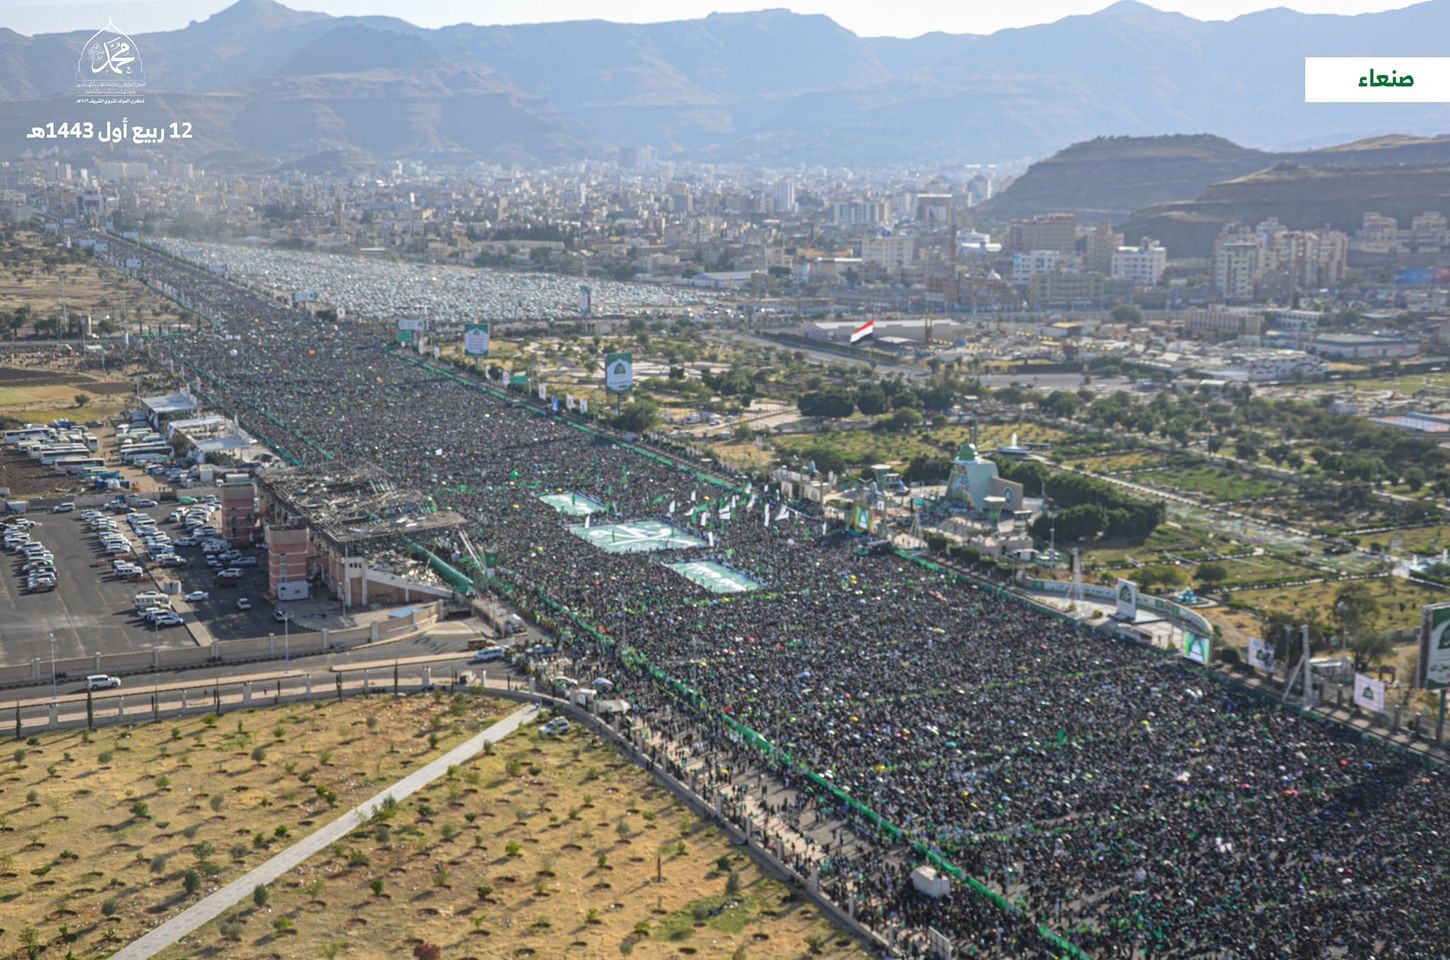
[[904, 18]]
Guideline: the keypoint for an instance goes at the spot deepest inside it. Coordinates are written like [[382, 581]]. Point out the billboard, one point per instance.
[[405, 336], [584, 300], [518, 379], [475, 339], [304, 296], [618, 372], [411, 323], [1196, 647], [1127, 600], [1369, 694], [1435, 645], [1261, 654], [133, 263]]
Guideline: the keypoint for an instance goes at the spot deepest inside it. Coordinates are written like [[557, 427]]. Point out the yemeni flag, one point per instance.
[[863, 331]]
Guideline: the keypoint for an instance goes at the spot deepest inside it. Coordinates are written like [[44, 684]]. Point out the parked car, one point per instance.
[[196, 596], [169, 620], [230, 573], [488, 653], [556, 727], [62, 508], [243, 603]]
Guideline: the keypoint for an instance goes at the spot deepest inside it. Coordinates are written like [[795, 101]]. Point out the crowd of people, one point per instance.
[[1132, 805]]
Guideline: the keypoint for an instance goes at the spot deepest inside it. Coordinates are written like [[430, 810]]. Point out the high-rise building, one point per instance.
[[1237, 262], [783, 194], [869, 213]]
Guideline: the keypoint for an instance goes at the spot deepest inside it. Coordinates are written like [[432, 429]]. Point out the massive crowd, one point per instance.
[[1133, 806], [384, 288]]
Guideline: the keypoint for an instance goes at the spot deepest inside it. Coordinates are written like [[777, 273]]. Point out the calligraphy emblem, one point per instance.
[[110, 68]]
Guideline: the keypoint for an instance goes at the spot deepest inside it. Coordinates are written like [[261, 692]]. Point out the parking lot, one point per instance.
[[91, 610]]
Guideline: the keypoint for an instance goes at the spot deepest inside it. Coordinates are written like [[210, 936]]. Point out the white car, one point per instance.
[[169, 620], [230, 573], [196, 595], [244, 604], [146, 503], [101, 681], [62, 508]]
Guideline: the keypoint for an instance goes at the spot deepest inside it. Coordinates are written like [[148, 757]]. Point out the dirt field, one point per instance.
[[35, 275], [545, 847], [103, 836]]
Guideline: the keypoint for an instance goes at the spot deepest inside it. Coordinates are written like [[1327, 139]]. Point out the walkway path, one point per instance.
[[239, 889]]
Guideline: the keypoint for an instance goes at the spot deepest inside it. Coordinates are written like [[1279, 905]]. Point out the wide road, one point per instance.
[[445, 638]]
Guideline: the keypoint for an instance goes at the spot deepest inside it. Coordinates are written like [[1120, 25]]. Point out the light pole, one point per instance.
[[52, 665]]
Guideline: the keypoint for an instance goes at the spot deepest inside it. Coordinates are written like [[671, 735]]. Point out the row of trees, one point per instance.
[[1089, 508]]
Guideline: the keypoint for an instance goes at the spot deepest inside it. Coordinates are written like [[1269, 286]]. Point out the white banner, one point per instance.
[[543, 391], [412, 324], [1127, 600], [1369, 694], [1261, 655]]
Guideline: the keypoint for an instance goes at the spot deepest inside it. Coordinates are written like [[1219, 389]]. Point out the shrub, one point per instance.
[[140, 810], [513, 848], [109, 906], [259, 754], [191, 881], [376, 887], [260, 895], [283, 925]]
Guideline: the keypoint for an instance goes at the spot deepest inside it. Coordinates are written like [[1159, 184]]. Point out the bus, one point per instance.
[[78, 464], [50, 455], [133, 452], [28, 432]]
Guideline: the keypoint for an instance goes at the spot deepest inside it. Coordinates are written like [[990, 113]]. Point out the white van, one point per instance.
[[149, 599]]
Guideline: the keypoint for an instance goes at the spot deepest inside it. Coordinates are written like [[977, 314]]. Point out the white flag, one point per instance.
[[586, 520], [751, 504], [704, 517], [692, 495], [711, 535], [784, 512], [671, 510]]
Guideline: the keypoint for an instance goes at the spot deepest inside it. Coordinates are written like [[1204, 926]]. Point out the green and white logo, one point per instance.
[[618, 372]]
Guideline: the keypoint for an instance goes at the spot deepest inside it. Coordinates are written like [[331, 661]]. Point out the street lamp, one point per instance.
[[52, 665]]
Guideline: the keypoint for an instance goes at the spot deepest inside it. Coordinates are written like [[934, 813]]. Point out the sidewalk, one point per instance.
[[239, 889]]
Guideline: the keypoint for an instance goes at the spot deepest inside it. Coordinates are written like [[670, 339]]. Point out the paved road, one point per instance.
[[239, 889]]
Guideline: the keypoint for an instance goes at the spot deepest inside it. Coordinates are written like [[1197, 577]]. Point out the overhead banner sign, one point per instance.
[[584, 303], [475, 339], [1261, 654], [412, 323], [618, 372], [1127, 600], [1369, 694], [1196, 647], [1435, 645]]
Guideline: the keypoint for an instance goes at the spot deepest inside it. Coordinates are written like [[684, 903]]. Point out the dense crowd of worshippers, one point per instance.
[[1131, 805]]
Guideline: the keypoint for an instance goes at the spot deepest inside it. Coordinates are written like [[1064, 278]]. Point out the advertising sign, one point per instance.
[[618, 372], [1196, 647], [475, 339], [1435, 646], [1127, 600]]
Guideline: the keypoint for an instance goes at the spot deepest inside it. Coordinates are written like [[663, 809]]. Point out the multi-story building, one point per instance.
[[1029, 264], [1143, 264], [1428, 231], [855, 213], [1357, 346], [1053, 231], [783, 194], [1060, 288], [889, 253], [1237, 261], [1222, 324], [1102, 242]]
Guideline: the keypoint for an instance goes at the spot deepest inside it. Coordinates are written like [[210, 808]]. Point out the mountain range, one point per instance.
[[261, 82]]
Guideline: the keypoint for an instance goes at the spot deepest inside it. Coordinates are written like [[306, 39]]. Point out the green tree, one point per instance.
[[871, 400], [1209, 574]]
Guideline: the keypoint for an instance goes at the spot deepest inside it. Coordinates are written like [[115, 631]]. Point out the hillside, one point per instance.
[[1115, 177], [1301, 197]]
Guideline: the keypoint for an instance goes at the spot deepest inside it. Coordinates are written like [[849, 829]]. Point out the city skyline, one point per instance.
[[864, 19]]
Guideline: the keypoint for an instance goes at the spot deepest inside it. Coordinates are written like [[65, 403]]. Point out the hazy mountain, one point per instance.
[[769, 85], [1113, 177]]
